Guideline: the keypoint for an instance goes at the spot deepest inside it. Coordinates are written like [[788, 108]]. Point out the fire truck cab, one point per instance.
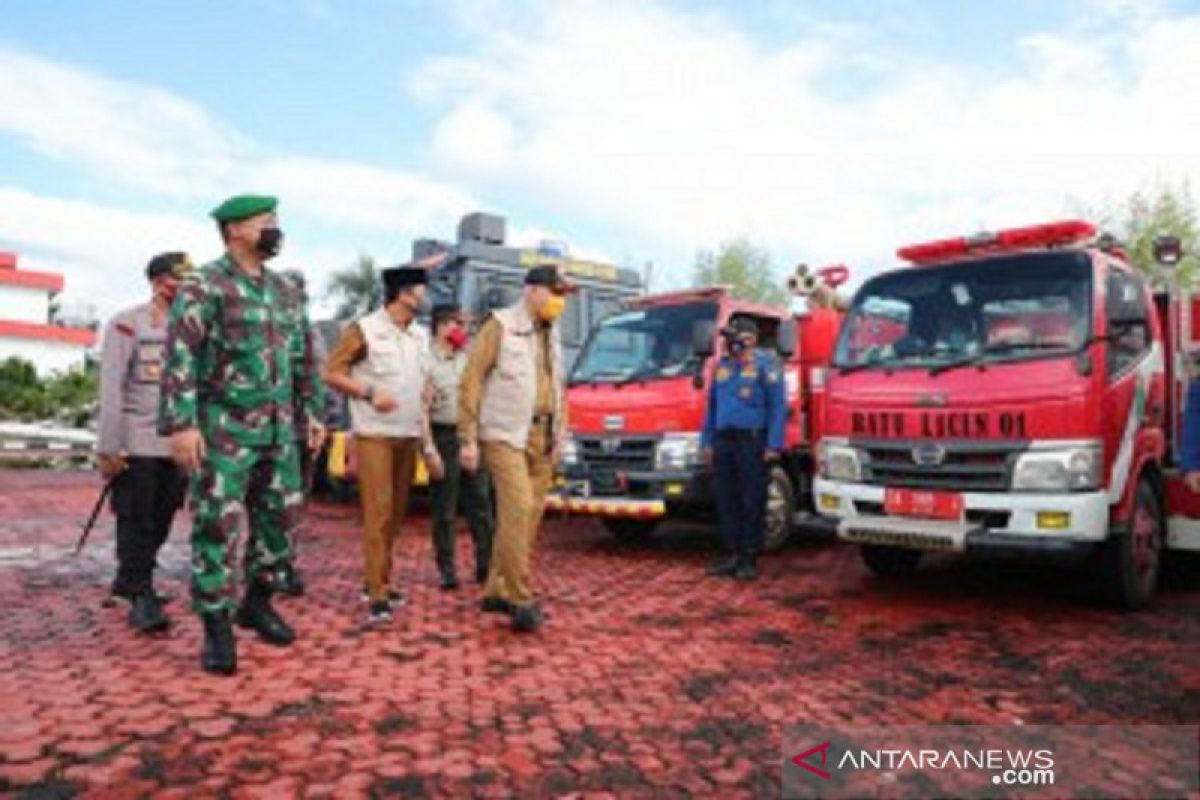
[[638, 396], [1016, 392]]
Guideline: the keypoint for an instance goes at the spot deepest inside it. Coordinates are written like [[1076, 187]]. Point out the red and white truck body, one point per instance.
[[1016, 392]]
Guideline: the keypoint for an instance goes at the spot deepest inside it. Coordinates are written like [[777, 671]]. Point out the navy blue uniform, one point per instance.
[[1189, 435], [747, 407]]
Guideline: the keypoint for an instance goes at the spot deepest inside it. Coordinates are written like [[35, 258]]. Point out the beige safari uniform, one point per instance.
[[511, 403]]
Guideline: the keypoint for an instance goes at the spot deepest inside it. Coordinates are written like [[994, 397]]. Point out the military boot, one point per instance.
[[293, 584], [146, 613], [257, 614], [219, 655]]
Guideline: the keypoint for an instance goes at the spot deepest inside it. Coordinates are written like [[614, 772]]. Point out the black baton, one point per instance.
[[91, 523]]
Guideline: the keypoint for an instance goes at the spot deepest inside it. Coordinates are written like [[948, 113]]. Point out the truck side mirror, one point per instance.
[[703, 333], [1168, 250], [785, 338], [1126, 309]]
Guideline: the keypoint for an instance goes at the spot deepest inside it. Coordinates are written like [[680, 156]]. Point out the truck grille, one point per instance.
[[964, 466], [604, 457]]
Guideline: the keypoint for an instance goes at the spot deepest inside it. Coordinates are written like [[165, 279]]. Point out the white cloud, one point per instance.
[[474, 139], [135, 134], [102, 250], [680, 129], [138, 136], [142, 137]]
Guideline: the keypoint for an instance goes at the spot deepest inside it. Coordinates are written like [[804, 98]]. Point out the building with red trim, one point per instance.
[[26, 329]]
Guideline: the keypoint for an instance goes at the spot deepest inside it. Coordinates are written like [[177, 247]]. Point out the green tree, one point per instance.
[[22, 396], [357, 289], [70, 397], [743, 266], [1148, 214], [73, 396]]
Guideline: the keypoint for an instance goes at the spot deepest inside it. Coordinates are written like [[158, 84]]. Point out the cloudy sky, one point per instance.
[[636, 131]]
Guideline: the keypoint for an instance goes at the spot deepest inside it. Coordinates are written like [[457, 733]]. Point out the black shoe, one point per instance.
[[291, 583], [127, 595], [257, 614], [746, 570], [497, 605], [146, 614], [379, 613], [449, 583], [527, 619], [394, 598], [219, 655], [723, 567]]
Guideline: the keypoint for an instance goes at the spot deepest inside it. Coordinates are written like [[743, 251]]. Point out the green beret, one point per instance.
[[244, 205]]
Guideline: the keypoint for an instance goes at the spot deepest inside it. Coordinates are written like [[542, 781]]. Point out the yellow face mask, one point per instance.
[[553, 307]]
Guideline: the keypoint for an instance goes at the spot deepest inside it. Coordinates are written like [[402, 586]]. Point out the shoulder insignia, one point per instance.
[[123, 328], [750, 372], [723, 373]]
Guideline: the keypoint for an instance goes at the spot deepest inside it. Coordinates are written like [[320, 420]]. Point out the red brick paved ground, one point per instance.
[[649, 680]]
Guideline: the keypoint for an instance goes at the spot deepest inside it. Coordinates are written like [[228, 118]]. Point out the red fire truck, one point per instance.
[[638, 396], [1012, 392]]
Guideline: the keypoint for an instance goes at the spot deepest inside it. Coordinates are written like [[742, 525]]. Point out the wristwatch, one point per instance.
[[369, 394]]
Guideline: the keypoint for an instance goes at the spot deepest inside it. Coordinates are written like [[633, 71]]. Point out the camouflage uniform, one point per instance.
[[238, 367]]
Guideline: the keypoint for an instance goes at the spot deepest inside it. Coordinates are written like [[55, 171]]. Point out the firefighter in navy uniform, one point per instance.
[[743, 434], [1189, 438]]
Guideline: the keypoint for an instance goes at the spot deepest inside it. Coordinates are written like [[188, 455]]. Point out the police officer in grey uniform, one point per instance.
[[147, 487]]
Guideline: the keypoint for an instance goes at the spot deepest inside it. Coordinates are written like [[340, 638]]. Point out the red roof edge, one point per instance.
[[50, 281], [47, 333]]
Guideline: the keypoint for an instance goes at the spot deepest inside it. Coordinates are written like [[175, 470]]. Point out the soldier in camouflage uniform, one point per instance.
[[236, 364], [292, 584]]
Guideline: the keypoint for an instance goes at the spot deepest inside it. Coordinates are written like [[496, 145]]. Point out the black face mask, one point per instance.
[[269, 243]]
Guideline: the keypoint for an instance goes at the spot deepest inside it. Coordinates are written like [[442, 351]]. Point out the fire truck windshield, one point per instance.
[[643, 344], [1007, 308]]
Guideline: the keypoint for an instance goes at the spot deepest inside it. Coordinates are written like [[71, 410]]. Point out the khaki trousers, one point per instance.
[[521, 480], [385, 473]]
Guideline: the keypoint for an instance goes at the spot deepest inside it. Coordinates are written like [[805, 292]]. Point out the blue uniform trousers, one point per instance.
[[740, 483]]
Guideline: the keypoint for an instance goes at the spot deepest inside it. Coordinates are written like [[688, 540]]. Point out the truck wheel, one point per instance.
[[630, 528], [890, 562], [1131, 561], [781, 509]]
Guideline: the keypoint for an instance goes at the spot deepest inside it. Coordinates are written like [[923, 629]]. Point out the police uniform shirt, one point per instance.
[[131, 364], [747, 396], [445, 374]]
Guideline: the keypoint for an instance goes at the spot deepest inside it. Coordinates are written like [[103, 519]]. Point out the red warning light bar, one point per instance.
[[1052, 234]]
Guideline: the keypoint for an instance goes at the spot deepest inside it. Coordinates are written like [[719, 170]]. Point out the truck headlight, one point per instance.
[[677, 451], [1059, 469], [838, 461], [570, 453]]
